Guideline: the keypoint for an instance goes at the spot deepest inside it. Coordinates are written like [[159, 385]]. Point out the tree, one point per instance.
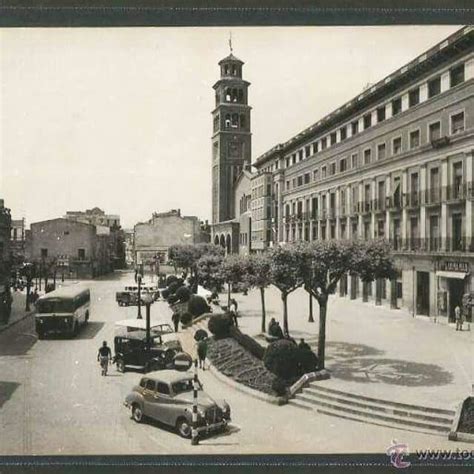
[[256, 274], [286, 264], [208, 272], [232, 271], [326, 263], [187, 256]]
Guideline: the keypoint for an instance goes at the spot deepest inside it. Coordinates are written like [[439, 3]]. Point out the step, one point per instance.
[[318, 387], [368, 414], [300, 404], [372, 421], [381, 406]]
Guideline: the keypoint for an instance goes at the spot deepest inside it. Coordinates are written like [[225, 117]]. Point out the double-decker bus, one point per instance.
[[63, 311]]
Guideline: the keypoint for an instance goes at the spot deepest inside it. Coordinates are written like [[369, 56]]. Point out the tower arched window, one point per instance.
[[243, 122], [228, 95], [227, 121], [234, 95], [234, 70], [235, 120], [226, 69], [240, 95]]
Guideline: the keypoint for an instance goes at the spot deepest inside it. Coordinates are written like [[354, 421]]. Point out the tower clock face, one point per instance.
[[235, 150]]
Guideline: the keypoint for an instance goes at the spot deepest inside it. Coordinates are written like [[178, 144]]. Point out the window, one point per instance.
[[367, 156], [287, 162], [434, 130], [315, 175], [355, 127], [343, 133], [457, 123], [396, 106], [287, 185], [81, 254], [315, 147], [293, 159], [150, 385], [333, 138], [414, 97], [307, 151], [354, 160], [323, 172], [44, 253], [343, 165], [381, 151], [323, 143], [163, 388], [306, 178], [397, 145], [333, 168], [367, 121], [300, 180], [456, 75], [381, 114], [300, 155], [434, 87], [142, 383], [414, 139]]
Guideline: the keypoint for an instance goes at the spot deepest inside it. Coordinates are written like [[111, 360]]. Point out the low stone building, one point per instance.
[[75, 249], [154, 237]]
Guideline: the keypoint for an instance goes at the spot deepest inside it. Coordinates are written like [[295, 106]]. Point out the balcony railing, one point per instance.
[[379, 205], [412, 200], [432, 196], [365, 207], [433, 244]]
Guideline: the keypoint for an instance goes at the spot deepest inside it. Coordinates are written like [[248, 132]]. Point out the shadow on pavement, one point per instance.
[[17, 344], [390, 371], [6, 391], [346, 350]]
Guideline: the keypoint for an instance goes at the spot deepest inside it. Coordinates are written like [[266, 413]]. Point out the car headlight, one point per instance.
[[201, 413], [40, 321], [66, 320]]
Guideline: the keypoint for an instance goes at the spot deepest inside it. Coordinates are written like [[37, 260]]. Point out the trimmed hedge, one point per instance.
[[165, 293], [171, 279], [200, 334], [183, 294], [186, 318], [197, 306], [172, 299], [219, 325], [173, 287], [247, 342]]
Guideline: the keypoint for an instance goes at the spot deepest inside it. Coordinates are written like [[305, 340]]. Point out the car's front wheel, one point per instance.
[[137, 413], [183, 427]]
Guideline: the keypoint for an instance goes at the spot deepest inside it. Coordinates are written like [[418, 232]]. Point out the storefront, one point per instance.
[[453, 282]]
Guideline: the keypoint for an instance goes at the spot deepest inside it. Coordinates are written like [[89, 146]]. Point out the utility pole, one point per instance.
[[139, 279], [194, 431]]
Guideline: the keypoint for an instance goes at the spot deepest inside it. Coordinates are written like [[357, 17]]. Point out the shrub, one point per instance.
[[308, 361], [200, 334], [183, 294], [247, 342], [172, 299], [197, 306], [186, 318], [281, 358], [180, 281], [174, 287], [279, 386], [171, 279], [220, 325], [165, 293]]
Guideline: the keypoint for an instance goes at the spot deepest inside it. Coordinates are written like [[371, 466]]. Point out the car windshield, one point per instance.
[[55, 306], [183, 386]]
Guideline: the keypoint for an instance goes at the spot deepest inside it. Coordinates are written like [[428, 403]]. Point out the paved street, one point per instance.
[[53, 400]]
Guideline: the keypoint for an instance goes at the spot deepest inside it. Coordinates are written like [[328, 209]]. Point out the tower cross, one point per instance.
[[230, 41]]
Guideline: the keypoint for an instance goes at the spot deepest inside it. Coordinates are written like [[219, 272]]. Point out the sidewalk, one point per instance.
[[18, 310], [376, 351]]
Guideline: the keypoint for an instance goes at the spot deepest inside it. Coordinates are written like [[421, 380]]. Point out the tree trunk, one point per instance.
[[228, 296], [28, 294], [310, 318], [284, 298], [323, 305], [262, 296]]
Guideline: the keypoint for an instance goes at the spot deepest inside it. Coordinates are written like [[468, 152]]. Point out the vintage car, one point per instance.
[[129, 296], [131, 351], [167, 397]]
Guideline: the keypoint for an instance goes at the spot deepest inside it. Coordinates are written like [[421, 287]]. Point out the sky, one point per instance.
[[120, 118]]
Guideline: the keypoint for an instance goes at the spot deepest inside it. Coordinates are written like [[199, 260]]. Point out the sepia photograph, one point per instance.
[[237, 241]]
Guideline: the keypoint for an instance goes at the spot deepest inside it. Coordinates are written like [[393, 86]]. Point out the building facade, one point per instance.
[[5, 262], [73, 249], [152, 239], [395, 162]]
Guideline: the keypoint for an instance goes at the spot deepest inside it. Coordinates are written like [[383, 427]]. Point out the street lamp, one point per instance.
[[147, 300], [139, 280]]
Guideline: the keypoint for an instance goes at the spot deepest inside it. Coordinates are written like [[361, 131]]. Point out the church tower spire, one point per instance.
[[231, 138]]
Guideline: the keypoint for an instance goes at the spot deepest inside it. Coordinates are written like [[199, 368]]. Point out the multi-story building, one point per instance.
[[98, 218], [17, 241], [71, 248], [5, 262], [152, 239], [231, 155], [395, 162]]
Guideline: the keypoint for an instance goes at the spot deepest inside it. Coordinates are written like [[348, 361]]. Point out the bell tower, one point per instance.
[[231, 138]]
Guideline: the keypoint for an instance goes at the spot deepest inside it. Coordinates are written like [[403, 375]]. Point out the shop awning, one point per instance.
[[458, 275]]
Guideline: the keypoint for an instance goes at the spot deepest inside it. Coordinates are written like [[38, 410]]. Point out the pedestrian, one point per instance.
[[35, 296], [104, 356], [278, 331], [233, 313], [176, 318], [459, 318], [233, 303], [202, 352], [270, 326], [303, 345]]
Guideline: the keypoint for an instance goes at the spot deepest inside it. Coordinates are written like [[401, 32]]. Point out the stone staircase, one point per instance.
[[375, 411]]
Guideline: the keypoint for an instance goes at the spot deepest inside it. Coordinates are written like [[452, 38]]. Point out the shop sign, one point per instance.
[[453, 266]]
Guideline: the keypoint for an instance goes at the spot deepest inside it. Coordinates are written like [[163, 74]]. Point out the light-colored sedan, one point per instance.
[[167, 396]]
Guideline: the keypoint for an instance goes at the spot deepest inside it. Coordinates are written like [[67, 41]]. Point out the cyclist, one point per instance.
[[104, 357]]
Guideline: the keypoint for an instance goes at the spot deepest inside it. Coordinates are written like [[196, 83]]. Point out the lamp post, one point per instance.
[[147, 299], [139, 280]]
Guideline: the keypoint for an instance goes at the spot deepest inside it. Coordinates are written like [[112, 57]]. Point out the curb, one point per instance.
[[10, 325], [247, 390]]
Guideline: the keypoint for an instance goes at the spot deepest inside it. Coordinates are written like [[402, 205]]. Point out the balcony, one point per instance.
[[432, 244], [456, 193], [394, 203], [379, 205], [343, 211], [323, 214], [432, 196], [331, 213], [412, 200], [365, 207]]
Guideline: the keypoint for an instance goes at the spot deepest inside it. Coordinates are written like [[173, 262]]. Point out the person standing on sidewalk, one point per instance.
[[175, 318], [459, 318], [202, 352]]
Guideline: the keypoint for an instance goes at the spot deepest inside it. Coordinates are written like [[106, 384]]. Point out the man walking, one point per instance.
[[202, 352], [104, 356], [233, 311], [458, 317], [175, 318]]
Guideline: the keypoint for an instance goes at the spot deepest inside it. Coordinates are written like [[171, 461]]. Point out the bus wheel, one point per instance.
[[87, 316], [40, 335], [75, 331]]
